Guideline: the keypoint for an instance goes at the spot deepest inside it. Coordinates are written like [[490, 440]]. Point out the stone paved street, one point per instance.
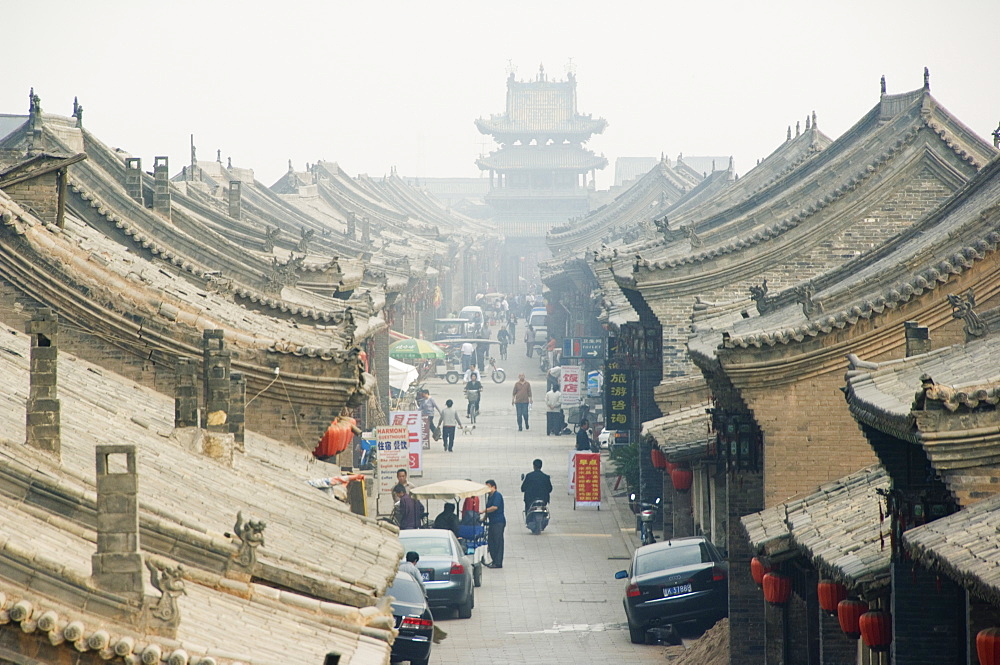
[[556, 599]]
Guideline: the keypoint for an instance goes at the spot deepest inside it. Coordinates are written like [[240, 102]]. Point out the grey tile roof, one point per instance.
[[223, 619], [310, 536], [923, 260], [965, 546], [683, 434], [548, 157], [865, 151], [837, 528], [944, 400]]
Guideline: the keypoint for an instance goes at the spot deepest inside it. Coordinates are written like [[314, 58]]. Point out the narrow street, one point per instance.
[[556, 599]]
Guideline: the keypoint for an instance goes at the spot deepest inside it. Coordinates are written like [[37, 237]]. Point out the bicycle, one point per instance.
[[473, 410]]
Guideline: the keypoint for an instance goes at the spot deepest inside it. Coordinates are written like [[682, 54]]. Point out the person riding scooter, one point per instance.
[[537, 488]]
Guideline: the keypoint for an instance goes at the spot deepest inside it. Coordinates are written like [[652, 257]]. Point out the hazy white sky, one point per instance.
[[377, 84]]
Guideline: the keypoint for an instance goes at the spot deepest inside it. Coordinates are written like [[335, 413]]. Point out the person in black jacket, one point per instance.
[[536, 485], [447, 519], [583, 437]]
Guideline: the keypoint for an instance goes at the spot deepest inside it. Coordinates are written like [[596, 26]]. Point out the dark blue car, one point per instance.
[[676, 581]]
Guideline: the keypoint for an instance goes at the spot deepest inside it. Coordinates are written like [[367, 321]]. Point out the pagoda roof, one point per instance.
[[540, 122], [837, 528], [560, 157]]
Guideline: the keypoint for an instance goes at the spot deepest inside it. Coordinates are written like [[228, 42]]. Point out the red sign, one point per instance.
[[588, 479]]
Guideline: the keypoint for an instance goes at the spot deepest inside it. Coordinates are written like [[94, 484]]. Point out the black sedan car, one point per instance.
[[679, 580], [413, 621]]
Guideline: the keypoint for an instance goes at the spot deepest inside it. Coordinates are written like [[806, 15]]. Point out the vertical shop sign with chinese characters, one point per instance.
[[417, 427], [588, 480], [618, 397]]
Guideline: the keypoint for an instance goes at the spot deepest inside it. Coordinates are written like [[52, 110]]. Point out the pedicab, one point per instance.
[[471, 530], [452, 372]]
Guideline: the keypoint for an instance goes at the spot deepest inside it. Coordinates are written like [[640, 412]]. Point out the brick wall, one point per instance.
[[39, 195], [746, 605], [928, 617]]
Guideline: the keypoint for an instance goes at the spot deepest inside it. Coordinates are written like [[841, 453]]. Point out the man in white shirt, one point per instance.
[[468, 348], [410, 566]]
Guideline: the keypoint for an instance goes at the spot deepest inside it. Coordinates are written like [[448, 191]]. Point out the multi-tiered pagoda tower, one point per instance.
[[541, 175]]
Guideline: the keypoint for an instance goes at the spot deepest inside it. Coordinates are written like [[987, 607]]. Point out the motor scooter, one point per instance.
[[496, 373], [537, 516], [646, 513]]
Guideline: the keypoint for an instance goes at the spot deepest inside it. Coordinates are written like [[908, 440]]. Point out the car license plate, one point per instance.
[[676, 590], [426, 574]]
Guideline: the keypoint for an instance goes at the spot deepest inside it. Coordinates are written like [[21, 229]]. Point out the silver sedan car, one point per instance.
[[446, 570]]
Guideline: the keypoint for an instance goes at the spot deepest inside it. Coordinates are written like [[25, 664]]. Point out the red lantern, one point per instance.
[[849, 614], [670, 466], [876, 629], [777, 588], [658, 459], [988, 646], [759, 566], [681, 477], [830, 593]]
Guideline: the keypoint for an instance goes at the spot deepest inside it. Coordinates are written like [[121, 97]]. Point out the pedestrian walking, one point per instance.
[[497, 523], [427, 407], [448, 422], [467, 350], [522, 401], [553, 411]]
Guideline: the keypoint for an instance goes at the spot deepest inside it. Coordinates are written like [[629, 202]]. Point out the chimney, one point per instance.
[[161, 186], [186, 394], [237, 408], [133, 179], [118, 565], [216, 382], [235, 198], [43, 406], [917, 339]]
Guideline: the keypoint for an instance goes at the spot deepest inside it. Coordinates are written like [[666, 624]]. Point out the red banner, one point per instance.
[[588, 479]]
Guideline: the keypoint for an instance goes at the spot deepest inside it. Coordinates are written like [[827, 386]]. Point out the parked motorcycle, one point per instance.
[[647, 513], [537, 517], [496, 373]]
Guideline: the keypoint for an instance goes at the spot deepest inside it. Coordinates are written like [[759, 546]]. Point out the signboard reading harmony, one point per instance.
[[393, 443]]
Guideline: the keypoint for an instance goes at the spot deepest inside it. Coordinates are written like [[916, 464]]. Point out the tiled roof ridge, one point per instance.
[[170, 311], [788, 223], [929, 278], [140, 239], [653, 178]]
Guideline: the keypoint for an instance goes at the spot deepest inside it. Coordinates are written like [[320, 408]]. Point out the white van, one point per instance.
[[473, 313], [537, 334]]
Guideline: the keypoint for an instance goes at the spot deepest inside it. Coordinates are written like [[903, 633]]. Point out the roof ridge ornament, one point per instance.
[[927, 79], [963, 307], [759, 295], [815, 124], [789, 136], [996, 136], [883, 84]]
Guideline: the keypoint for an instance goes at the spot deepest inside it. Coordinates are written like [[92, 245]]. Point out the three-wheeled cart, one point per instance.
[[472, 537]]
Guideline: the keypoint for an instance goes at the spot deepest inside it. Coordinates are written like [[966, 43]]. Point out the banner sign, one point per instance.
[[569, 381], [419, 437], [618, 399], [393, 448], [588, 480]]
